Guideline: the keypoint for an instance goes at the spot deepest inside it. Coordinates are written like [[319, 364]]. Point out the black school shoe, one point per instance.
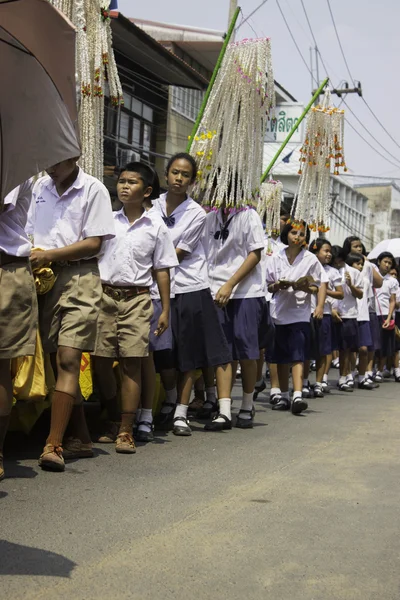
[[344, 387], [163, 420], [144, 436], [206, 412], [298, 406], [259, 389], [282, 404], [318, 391], [366, 384], [215, 425], [182, 430], [245, 423]]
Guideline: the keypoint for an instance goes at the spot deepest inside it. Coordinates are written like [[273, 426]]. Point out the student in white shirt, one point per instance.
[[142, 245], [394, 272], [71, 217], [385, 307], [345, 313], [198, 336], [18, 304], [292, 276], [322, 249], [234, 242]]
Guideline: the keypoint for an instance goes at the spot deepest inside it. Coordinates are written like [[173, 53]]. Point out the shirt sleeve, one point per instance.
[[336, 279], [98, 219], [358, 280], [270, 270], [317, 272], [193, 233], [255, 234], [164, 256]]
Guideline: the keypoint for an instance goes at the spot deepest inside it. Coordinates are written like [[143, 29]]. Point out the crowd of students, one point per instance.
[[163, 287]]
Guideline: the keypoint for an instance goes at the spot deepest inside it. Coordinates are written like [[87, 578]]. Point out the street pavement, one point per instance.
[[299, 508]]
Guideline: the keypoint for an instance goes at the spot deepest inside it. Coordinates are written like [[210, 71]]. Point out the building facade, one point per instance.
[[383, 211]]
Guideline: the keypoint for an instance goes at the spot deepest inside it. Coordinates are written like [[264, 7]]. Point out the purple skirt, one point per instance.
[[164, 341], [292, 343], [364, 334], [241, 320], [348, 333], [375, 326]]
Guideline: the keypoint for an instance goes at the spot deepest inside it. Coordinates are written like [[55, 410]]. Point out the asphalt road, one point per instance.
[[299, 508]]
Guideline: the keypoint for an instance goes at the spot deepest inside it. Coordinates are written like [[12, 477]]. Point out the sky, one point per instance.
[[369, 33]]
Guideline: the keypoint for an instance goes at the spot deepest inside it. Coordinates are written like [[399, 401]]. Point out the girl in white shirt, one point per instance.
[[292, 276], [385, 307], [198, 335], [395, 273]]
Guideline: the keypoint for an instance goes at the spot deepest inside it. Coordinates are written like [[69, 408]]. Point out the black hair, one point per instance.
[[288, 228], [148, 176], [396, 268], [347, 243], [284, 213], [386, 255], [317, 244], [354, 257], [338, 252], [184, 156]]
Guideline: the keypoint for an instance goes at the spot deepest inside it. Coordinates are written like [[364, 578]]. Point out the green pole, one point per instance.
[[213, 78], [306, 110]]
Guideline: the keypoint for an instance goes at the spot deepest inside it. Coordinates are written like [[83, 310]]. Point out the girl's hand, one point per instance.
[[318, 313], [386, 323], [348, 279], [162, 324], [223, 295], [335, 316]]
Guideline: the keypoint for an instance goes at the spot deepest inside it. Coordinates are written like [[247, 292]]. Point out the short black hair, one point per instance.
[[147, 174], [183, 156], [354, 257], [288, 228], [386, 255], [338, 252], [317, 244]]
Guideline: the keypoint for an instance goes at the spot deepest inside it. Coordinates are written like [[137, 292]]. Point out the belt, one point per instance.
[[118, 293], [73, 263], [8, 259]]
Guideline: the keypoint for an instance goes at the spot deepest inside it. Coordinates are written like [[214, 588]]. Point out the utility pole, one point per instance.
[[343, 91], [232, 9]]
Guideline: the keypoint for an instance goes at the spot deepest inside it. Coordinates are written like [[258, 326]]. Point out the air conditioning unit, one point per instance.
[[127, 156]]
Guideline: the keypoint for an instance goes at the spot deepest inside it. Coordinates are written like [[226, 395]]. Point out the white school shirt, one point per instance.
[[13, 238], [84, 210], [187, 227], [244, 234], [364, 303], [136, 249], [332, 278], [398, 298], [390, 286], [288, 306], [347, 307], [271, 247]]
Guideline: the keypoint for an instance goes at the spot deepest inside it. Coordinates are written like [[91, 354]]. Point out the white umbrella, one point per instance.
[[38, 114], [392, 246]]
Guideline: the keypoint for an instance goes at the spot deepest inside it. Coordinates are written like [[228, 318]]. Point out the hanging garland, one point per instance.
[[269, 206], [95, 65], [323, 148], [228, 145]]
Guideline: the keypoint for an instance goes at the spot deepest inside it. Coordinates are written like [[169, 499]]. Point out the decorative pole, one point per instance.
[[295, 127], [213, 78]]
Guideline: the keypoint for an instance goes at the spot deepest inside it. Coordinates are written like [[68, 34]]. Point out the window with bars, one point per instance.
[[187, 102]]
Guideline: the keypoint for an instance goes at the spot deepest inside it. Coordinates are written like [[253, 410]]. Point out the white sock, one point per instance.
[[335, 361], [297, 396], [349, 377], [397, 372], [274, 391], [379, 373], [146, 414], [369, 374], [247, 404], [354, 374], [361, 378], [259, 382], [305, 383], [171, 397], [181, 411], [224, 409], [325, 378], [342, 379]]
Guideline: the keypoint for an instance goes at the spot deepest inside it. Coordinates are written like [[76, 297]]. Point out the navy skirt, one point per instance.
[[199, 340], [397, 340], [348, 335], [375, 326], [292, 343], [364, 334], [241, 320], [388, 340], [321, 331], [336, 329], [164, 341], [266, 329]]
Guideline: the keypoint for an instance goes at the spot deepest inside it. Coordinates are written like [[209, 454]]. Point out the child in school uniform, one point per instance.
[[199, 340], [292, 276], [142, 245], [385, 298], [71, 217], [394, 272], [234, 243], [345, 313], [18, 304]]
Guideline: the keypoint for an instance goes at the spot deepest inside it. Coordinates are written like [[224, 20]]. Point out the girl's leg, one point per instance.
[[249, 377], [321, 369], [306, 390], [396, 366], [297, 376], [199, 395], [169, 381], [145, 421], [344, 358], [275, 386], [181, 426], [223, 374], [260, 383], [131, 385], [6, 399], [283, 401]]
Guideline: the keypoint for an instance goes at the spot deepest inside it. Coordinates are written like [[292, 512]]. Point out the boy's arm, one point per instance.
[[163, 281], [250, 262], [83, 249]]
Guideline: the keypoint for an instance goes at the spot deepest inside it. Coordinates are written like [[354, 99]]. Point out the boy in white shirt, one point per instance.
[[18, 304], [71, 217], [142, 245]]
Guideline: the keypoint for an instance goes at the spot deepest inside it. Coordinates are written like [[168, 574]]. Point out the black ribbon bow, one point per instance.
[[223, 234], [169, 221]]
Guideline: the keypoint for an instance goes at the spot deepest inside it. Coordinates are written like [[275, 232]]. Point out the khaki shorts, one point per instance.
[[68, 312], [18, 311], [123, 328]]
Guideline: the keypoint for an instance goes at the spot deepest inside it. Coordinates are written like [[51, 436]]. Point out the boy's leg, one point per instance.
[[107, 385], [130, 398], [145, 422], [6, 398]]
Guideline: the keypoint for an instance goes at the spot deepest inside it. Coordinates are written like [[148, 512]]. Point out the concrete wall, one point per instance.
[[383, 220]]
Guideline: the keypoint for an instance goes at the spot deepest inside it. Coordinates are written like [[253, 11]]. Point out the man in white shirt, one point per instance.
[[18, 304], [70, 219]]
